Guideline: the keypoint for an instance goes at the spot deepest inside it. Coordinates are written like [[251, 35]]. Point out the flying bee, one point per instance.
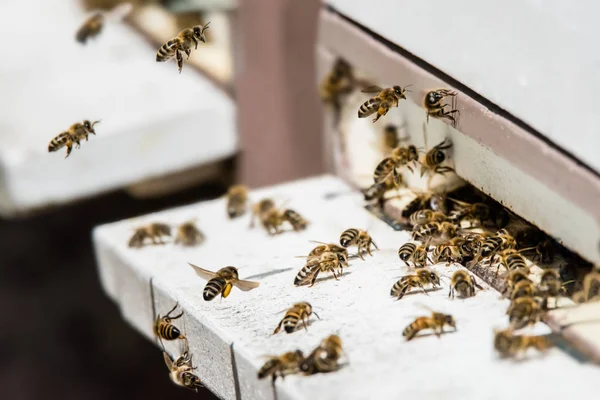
[[222, 281], [299, 312], [188, 234], [463, 283], [339, 83], [510, 345], [181, 371], [95, 23], [388, 167], [385, 99], [425, 216], [523, 288], [182, 43], [325, 358], [155, 232], [286, 364], [433, 104], [420, 279], [524, 311], [237, 201], [390, 137], [412, 252], [434, 158], [164, 328], [434, 231], [358, 238], [328, 261], [73, 135], [436, 323], [590, 290]]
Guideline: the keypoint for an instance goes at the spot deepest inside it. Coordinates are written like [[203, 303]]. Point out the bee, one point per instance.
[[385, 99], [182, 43], [286, 364], [237, 199], [515, 277], [463, 283], [412, 252], [388, 167], [436, 323], [376, 192], [181, 371], [390, 138], [493, 244], [454, 250], [544, 251], [325, 358], [434, 230], [510, 345], [425, 201], [511, 259], [476, 212], [155, 232], [328, 261], [296, 220], [316, 253], [425, 216], [95, 23], [188, 234], [73, 135], [298, 312], [222, 281], [164, 328], [590, 290], [523, 288], [434, 158], [524, 311], [358, 238], [423, 277], [551, 284], [433, 104], [272, 218], [261, 210], [338, 83]]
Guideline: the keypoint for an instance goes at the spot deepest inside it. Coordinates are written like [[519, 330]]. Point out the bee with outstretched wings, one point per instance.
[[222, 281], [385, 99]]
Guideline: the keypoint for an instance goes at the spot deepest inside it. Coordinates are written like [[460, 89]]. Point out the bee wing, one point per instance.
[[245, 285], [203, 273], [119, 11], [168, 360], [372, 89]]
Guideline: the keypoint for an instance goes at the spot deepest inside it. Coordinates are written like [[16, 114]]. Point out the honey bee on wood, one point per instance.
[[322, 248], [436, 323], [433, 104], [222, 281], [385, 99], [154, 232], [261, 209], [164, 328], [272, 218], [388, 167], [510, 345], [524, 311], [511, 259], [237, 199], [454, 250], [433, 159], [476, 212], [286, 364], [490, 245], [523, 288], [463, 283], [299, 312], [591, 289], [95, 23], [73, 135], [325, 358], [412, 252], [181, 371], [182, 43], [437, 232], [420, 279], [188, 234], [328, 261], [358, 238], [515, 277]]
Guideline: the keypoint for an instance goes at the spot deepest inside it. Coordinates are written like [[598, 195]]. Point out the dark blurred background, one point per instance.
[[61, 337]]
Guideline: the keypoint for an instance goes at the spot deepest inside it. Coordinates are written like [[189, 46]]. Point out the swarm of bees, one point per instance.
[[155, 233]]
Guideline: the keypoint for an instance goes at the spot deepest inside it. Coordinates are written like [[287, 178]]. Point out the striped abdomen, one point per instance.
[[524, 288], [306, 274], [515, 261], [269, 368], [291, 320], [406, 251], [490, 245], [59, 141], [421, 232], [434, 157], [213, 288], [167, 50], [402, 286], [418, 325], [348, 237], [369, 107], [166, 330], [90, 28], [384, 169], [295, 219]]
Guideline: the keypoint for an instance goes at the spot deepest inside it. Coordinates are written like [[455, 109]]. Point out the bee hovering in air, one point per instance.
[[164, 328], [73, 135], [181, 371], [188, 234], [420, 279], [95, 23], [415, 253], [299, 312], [388, 167], [325, 358], [385, 99], [436, 323], [463, 283], [154, 232], [286, 364], [328, 261], [182, 43], [237, 201], [433, 159], [358, 238], [433, 104], [222, 281], [339, 83], [507, 344]]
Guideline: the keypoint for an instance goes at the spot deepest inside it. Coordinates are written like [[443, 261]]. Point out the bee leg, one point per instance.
[[179, 60], [188, 52], [69, 147], [313, 279], [423, 289]]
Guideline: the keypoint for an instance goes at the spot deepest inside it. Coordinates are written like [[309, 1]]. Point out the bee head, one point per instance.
[[89, 126], [399, 92], [413, 153], [199, 32], [449, 320]]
